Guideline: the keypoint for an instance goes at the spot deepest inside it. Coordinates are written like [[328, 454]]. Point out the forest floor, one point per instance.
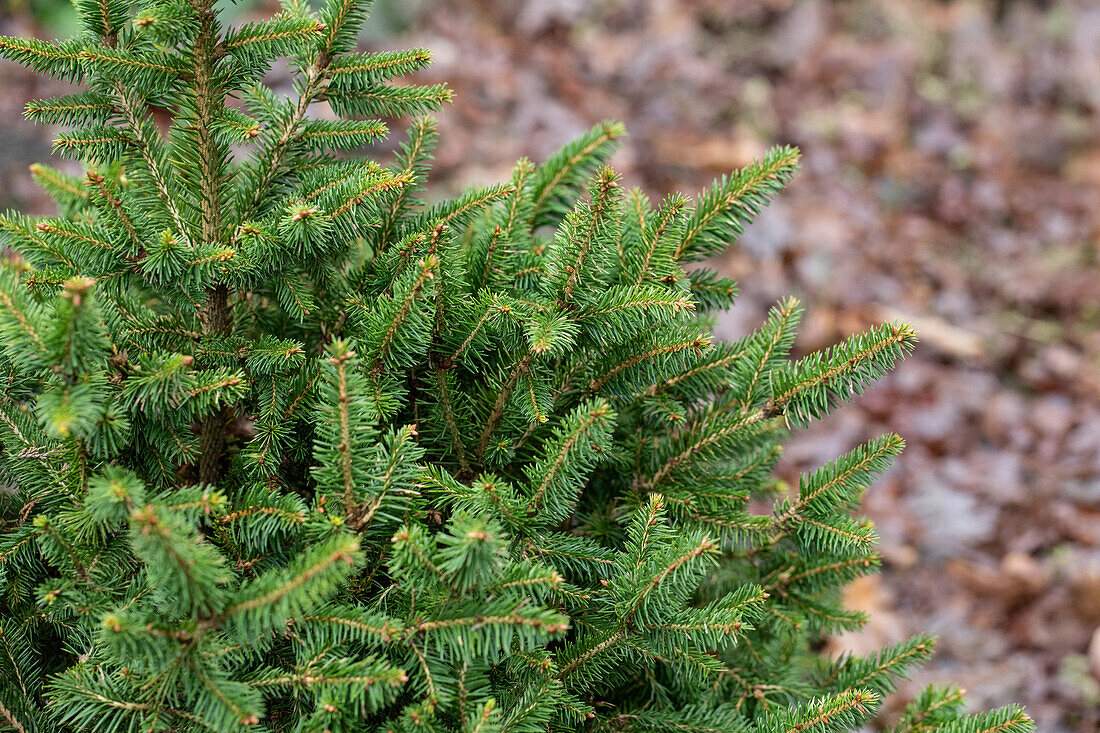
[[951, 178]]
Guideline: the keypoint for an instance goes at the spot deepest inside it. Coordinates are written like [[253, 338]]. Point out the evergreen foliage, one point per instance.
[[284, 447]]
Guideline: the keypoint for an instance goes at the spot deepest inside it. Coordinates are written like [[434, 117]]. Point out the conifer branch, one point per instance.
[[115, 59], [852, 537], [651, 236], [17, 230], [343, 553], [412, 165], [489, 310], [738, 198], [306, 679], [273, 157], [145, 144], [518, 369], [594, 417], [855, 562], [449, 419], [866, 461], [279, 29], [12, 721], [64, 232], [94, 179], [331, 183], [340, 363], [21, 317], [827, 710], [425, 668], [594, 222], [427, 271], [290, 516], [930, 703], [609, 642], [597, 383], [806, 389], [557, 172], [55, 178], [390, 63], [361, 195], [514, 619], [705, 545], [385, 633], [886, 664], [704, 443], [62, 61], [243, 717], [80, 108], [781, 328]]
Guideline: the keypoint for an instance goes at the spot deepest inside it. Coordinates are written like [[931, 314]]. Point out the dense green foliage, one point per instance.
[[288, 448]]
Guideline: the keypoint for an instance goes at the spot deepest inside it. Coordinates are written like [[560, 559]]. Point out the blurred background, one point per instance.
[[951, 178]]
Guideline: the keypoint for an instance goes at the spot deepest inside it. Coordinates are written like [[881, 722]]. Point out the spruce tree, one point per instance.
[[286, 447]]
